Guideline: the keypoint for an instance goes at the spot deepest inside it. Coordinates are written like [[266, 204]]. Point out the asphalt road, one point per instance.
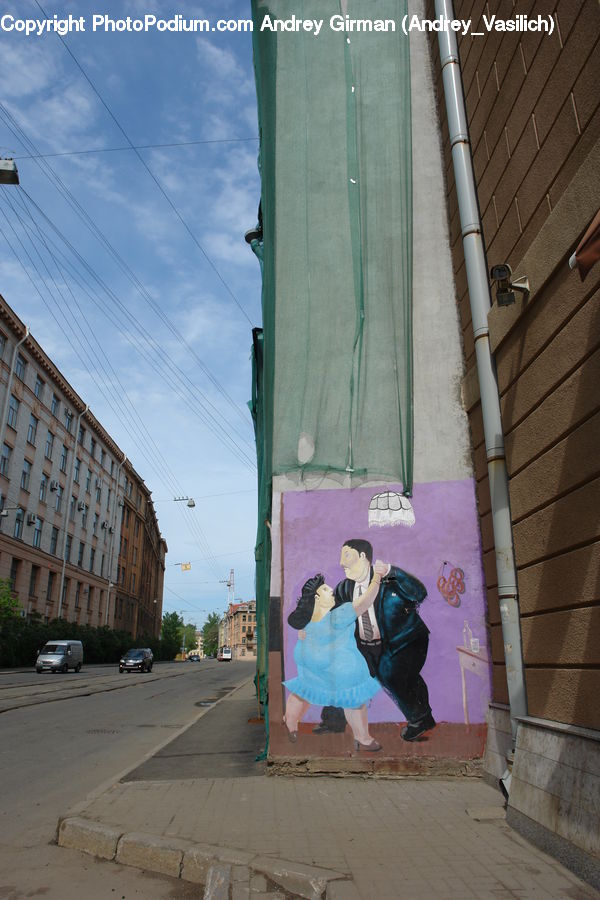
[[65, 736]]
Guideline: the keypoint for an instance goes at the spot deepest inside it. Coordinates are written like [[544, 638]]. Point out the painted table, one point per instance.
[[471, 661]]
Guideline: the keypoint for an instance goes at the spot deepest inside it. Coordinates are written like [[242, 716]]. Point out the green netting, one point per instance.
[[335, 159]]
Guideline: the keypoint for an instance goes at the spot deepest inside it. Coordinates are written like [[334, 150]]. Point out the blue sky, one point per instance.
[[130, 304]]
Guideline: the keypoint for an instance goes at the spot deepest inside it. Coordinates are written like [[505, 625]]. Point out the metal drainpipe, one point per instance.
[[479, 295], [67, 505], [9, 385], [112, 538]]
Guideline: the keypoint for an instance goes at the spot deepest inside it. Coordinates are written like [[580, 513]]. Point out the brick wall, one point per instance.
[[533, 107]]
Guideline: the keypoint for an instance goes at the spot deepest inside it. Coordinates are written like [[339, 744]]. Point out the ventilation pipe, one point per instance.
[[479, 295]]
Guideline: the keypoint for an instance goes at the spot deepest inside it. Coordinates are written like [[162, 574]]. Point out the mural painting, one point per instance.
[[377, 659]]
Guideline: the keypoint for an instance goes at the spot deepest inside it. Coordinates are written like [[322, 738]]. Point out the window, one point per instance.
[[37, 532], [49, 445], [122, 574], [39, 387], [53, 540], [126, 516], [68, 546], [133, 581], [19, 515], [98, 490], [55, 405], [65, 591], [68, 420], [88, 481], [33, 579], [102, 561], [43, 487], [63, 458], [50, 588], [136, 529], [72, 506], [59, 496], [26, 475], [102, 457], [108, 500], [93, 448], [77, 594], [92, 558], [95, 525], [13, 412], [81, 435], [90, 601], [84, 517], [2, 344], [134, 557], [76, 470], [112, 468], [243, 627], [14, 572], [32, 430], [20, 368], [243, 618], [5, 459], [80, 554]]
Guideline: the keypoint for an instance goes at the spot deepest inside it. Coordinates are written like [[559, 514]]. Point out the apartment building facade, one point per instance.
[[65, 486], [237, 630]]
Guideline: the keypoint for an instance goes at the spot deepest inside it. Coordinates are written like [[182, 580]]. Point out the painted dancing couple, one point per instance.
[[363, 635]]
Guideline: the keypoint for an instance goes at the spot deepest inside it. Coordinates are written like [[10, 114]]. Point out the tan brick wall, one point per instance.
[[533, 107]]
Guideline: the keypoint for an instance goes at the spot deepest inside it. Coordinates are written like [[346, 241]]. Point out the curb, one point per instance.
[[203, 864]]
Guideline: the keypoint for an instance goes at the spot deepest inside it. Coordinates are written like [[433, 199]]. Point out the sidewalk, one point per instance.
[[201, 809]]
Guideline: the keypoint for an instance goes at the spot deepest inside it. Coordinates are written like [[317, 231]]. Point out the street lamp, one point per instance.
[[8, 172], [190, 502]]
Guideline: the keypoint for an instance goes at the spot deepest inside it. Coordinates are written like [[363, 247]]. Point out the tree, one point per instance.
[[189, 637], [172, 626], [210, 634], [9, 605]]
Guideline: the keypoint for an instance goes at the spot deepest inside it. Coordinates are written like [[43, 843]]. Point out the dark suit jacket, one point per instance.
[[396, 608]]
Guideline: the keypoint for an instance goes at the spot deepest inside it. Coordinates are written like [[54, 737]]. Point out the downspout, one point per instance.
[[67, 505], [113, 523], [479, 295], [11, 374]]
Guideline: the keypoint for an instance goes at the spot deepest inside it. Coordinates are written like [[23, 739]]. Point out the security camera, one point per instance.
[[505, 286]]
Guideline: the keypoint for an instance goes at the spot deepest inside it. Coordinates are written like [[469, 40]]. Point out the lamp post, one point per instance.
[[66, 512], [190, 501]]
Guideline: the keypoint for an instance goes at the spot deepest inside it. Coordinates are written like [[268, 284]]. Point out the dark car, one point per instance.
[[194, 657], [140, 659]]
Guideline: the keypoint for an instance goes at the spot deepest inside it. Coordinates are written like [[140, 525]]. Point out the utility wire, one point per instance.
[[154, 351], [149, 171], [137, 147], [59, 185], [192, 525]]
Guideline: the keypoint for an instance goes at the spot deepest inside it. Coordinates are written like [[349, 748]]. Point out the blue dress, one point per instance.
[[331, 670]]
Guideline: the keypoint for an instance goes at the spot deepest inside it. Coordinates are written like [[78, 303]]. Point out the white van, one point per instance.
[[60, 656]]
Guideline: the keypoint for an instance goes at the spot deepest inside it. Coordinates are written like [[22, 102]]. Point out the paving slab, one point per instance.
[[340, 838]]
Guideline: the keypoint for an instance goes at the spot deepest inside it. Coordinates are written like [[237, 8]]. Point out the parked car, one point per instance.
[[140, 659], [60, 656], [194, 657]]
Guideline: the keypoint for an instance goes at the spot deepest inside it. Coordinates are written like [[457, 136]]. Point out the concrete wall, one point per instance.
[[314, 513]]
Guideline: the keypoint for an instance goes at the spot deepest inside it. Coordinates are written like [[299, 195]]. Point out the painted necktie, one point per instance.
[[366, 621]]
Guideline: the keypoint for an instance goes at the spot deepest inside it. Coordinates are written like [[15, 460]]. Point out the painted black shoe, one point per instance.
[[412, 732]]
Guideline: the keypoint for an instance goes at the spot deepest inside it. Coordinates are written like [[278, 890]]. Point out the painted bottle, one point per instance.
[[467, 636]]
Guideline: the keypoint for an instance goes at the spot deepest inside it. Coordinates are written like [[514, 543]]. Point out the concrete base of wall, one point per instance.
[[555, 793], [499, 741]]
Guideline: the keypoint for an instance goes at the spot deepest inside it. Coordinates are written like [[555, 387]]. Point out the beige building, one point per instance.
[[79, 537], [237, 630]]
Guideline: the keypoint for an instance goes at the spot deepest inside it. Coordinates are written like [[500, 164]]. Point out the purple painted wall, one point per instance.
[[315, 526]]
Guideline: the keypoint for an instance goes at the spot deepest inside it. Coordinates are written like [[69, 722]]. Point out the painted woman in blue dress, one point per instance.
[[331, 671]]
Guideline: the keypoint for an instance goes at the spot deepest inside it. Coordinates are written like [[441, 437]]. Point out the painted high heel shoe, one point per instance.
[[292, 735], [373, 746]]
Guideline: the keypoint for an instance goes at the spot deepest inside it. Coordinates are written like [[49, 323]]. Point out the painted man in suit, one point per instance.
[[391, 635]]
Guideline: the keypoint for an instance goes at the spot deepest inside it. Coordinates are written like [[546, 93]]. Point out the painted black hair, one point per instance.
[[361, 547], [301, 616]]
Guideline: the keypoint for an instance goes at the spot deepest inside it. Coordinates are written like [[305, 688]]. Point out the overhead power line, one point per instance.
[[137, 147], [149, 170]]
